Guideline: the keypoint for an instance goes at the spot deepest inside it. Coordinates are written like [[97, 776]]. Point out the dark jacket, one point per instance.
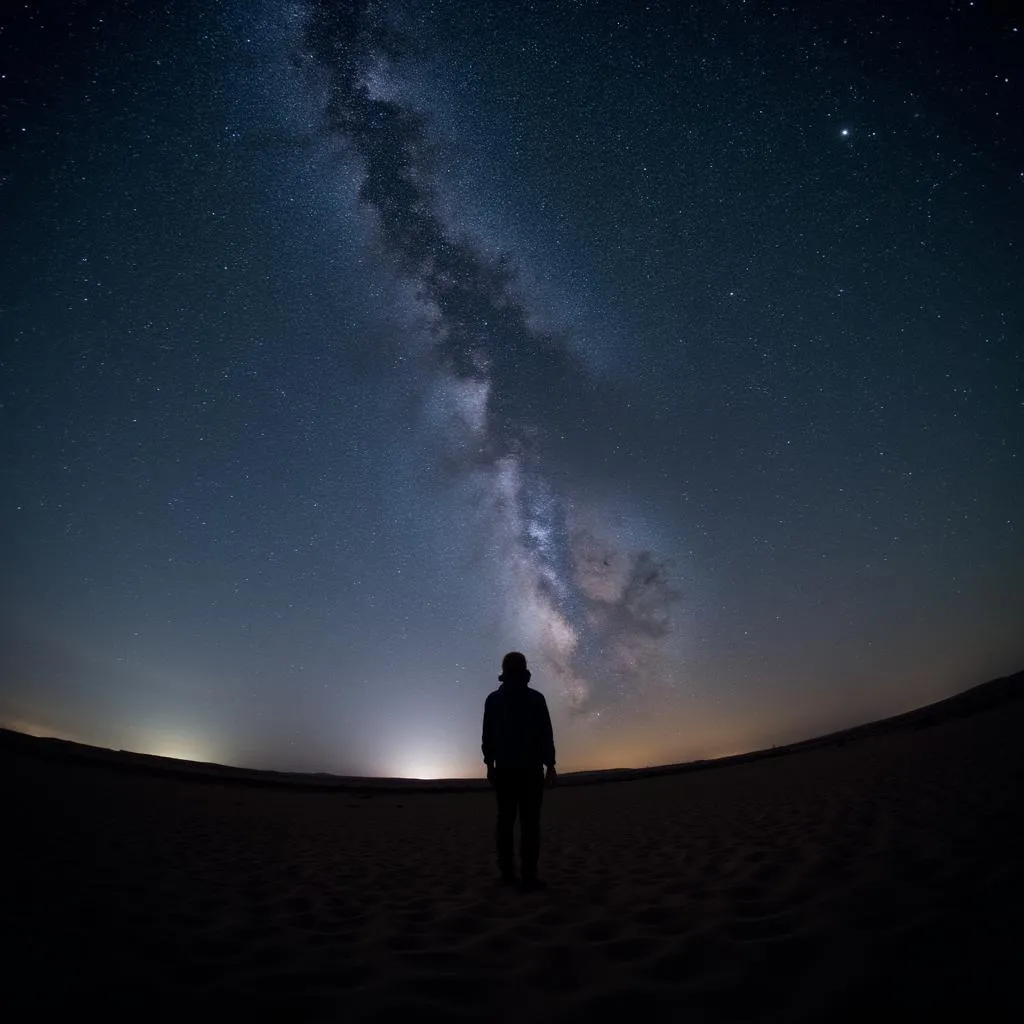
[[517, 728]]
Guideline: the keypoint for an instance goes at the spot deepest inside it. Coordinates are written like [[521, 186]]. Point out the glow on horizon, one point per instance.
[[42, 732], [178, 745], [427, 765]]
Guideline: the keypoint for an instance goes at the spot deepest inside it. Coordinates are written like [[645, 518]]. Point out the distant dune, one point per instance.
[[983, 697]]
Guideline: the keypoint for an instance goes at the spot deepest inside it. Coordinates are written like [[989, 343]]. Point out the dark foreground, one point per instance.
[[875, 876]]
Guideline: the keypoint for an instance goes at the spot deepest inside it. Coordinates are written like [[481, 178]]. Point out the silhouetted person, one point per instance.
[[517, 745]]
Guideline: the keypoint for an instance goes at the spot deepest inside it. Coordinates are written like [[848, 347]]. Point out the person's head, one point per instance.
[[514, 670]]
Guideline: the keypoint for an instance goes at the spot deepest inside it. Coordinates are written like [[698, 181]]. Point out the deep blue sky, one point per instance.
[[345, 349]]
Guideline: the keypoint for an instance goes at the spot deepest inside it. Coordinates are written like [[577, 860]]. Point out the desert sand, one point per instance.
[[872, 876]]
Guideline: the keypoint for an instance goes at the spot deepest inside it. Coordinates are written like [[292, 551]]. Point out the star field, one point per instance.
[[346, 347]]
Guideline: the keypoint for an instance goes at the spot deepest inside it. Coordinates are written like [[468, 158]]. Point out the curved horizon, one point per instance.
[[980, 697]]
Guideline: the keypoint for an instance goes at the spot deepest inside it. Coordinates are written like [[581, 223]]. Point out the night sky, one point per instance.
[[347, 347]]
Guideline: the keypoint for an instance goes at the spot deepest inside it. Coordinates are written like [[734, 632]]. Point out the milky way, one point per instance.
[[596, 626]]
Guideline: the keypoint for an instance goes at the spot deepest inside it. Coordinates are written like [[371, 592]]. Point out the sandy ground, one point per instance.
[[875, 878]]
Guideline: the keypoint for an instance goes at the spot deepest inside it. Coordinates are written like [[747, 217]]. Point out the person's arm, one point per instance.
[[487, 742], [547, 736]]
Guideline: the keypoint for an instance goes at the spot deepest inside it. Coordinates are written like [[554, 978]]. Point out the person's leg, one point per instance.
[[531, 796], [505, 791]]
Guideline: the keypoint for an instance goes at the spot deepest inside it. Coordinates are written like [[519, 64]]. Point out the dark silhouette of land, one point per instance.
[[872, 871], [977, 699]]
